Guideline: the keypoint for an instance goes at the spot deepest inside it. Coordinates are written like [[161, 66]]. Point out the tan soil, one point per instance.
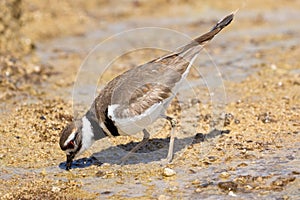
[[263, 113]]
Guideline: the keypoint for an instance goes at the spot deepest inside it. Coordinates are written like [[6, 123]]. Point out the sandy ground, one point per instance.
[[253, 154]]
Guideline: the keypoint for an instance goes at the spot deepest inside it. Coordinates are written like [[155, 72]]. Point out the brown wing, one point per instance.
[[138, 89], [141, 99]]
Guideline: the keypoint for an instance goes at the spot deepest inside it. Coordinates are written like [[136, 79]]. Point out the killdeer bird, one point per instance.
[[135, 99]]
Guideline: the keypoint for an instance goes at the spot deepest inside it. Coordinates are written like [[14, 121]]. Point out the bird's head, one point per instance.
[[71, 141]]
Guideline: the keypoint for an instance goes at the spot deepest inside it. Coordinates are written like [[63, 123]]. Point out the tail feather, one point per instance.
[[209, 35], [194, 47]]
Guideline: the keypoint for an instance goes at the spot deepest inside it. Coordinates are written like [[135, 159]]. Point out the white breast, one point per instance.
[[133, 125], [87, 135]]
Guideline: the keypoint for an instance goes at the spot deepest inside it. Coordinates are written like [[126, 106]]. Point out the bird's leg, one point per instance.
[[139, 145], [173, 123]]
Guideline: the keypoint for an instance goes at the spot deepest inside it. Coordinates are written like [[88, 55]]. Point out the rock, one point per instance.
[[227, 186], [173, 189], [163, 197], [106, 165], [224, 175], [249, 187], [232, 194], [106, 192], [259, 179], [100, 173], [196, 182], [55, 189], [198, 190], [168, 172]]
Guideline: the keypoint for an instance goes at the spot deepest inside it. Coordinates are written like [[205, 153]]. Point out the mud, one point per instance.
[[241, 142]]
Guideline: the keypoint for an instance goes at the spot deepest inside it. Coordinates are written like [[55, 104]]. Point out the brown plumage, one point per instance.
[[141, 87]]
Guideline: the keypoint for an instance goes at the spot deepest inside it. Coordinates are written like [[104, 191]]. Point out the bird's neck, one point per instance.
[[91, 130]]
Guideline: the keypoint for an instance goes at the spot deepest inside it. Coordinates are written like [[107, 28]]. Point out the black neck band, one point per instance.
[[97, 130]]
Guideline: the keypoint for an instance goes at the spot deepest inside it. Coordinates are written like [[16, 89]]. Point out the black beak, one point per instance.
[[70, 158]]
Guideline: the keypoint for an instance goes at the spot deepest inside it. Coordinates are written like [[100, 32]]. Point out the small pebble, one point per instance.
[[249, 187], [43, 172], [224, 175], [37, 69], [198, 190], [163, 197], [273, 67], [236, 121], [100, 174], [42, 117], [106, 192], [259, 179], [242, 165], [168, 172], [212, 158], [196, 182], [173, 189], [106, 165], [232, 194], [55, 189], [228, 186]]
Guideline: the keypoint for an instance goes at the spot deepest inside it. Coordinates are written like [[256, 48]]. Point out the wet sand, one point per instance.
[[254, 153]]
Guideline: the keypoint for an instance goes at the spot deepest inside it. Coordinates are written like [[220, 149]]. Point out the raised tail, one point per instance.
[[201, 40]]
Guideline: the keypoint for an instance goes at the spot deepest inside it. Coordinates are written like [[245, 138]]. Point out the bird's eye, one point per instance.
[[71, 145]]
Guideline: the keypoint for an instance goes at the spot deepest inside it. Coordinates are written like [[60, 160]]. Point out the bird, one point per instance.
[[132, 101]]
